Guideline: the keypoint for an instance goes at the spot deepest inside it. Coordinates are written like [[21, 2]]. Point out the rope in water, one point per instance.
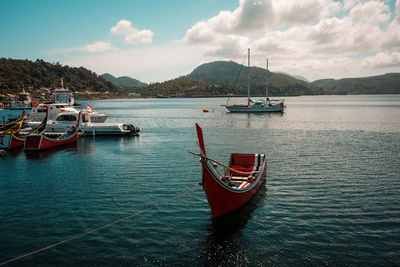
[[102, 227]]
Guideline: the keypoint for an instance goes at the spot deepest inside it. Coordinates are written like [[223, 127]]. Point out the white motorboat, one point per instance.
[[95, 116], [63, 121], [39, 112]]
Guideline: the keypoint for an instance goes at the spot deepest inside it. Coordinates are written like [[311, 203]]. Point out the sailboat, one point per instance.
[[255, 106]]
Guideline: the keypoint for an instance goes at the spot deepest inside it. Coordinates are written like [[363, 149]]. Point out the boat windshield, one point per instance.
[[66, 117]]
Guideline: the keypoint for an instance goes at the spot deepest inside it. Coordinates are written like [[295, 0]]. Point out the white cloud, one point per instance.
[[304, 11], [313, 38], [228, 47], [323, 34], [123, 27], [257, 15], [199, 33], [372, 12], [132, 35], [98, 47], [250, 16], [348, 4], [382, 60]]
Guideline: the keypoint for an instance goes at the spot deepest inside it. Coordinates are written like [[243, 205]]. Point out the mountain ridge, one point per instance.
[[123, 80], [236, 75], [219, 78], [388, 83]]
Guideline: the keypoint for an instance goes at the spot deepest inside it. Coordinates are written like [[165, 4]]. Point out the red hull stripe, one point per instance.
[[243, 185]]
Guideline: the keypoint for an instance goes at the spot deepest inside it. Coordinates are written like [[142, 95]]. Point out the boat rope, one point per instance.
[[75, 123], [223, 165], [237, 77], [102, 227]]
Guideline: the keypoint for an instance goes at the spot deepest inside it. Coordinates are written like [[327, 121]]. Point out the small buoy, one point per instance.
[[205, 110]]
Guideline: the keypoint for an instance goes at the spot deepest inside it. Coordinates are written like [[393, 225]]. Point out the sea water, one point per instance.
[[332, 195]]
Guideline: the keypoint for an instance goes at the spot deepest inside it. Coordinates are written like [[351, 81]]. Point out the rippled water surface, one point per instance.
[[332, 195]]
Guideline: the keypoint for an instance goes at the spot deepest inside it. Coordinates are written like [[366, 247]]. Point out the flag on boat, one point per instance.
[[89, 109]]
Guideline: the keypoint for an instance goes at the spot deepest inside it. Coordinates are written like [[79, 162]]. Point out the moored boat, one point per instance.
[[15, 140], [95, 116], [229, 190], [37, 142], [256, 106], [55, 109], [63, 121]]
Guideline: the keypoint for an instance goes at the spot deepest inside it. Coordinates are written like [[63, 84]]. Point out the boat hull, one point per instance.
[[92, 128], [224, 199], [37, 142], [254, 108], [10, 141]]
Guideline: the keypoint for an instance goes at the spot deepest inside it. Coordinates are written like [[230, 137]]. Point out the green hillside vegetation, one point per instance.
[[17, 74], [179, 87], [219, 78], [381, 84], [123, 80]]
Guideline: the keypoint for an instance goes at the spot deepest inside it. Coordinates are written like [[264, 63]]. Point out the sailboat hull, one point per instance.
[[254, 108]]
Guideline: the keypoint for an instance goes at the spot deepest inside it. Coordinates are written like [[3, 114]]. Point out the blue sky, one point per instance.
[[161, 40], [31, 27]]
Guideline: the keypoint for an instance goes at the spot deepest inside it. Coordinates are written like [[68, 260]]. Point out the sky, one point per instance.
[[159, 40]]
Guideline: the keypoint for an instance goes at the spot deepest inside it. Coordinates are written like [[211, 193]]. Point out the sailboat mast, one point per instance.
[[266, 85], [248, 85]]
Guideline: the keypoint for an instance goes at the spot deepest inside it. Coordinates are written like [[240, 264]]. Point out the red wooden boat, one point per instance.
[[15, 140], [37, 142], [230, 190]]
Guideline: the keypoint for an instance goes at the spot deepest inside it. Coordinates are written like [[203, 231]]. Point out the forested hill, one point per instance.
[[381, 84], [16, 74], [123, 80], [231, 73], [211, 79]]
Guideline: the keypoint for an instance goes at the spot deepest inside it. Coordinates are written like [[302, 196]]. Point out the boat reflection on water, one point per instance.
[[44, 154], [223, 246]]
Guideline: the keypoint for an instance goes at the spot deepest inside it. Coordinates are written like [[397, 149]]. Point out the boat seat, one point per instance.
[[239, 178]]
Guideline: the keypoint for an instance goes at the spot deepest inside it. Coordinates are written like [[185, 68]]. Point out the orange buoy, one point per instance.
[[205, 110]]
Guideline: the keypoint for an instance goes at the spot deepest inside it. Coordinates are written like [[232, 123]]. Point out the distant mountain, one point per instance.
[[381, 84], [298, 77], [123, 80], [16, 74], [231, 73]]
